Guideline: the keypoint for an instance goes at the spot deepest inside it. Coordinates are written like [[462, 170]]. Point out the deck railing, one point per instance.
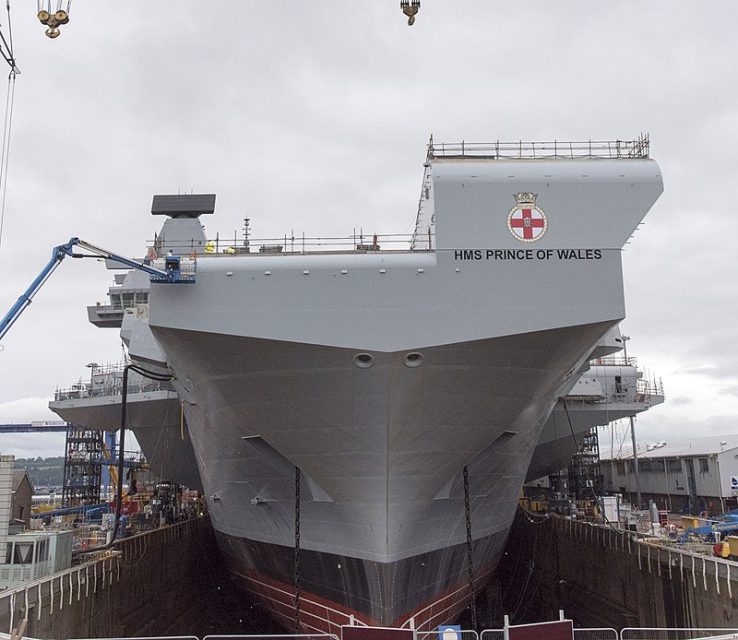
[[107, 380], [292, 243], [606, 149]]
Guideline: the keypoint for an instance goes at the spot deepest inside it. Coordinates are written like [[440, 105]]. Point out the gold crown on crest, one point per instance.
[[526, 197]]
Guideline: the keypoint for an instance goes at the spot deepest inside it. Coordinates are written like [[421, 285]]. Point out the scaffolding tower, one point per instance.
[[585, 476], [82, 467]]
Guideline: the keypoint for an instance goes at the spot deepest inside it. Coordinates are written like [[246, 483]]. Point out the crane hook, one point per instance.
[[410, 9], [53, 20]]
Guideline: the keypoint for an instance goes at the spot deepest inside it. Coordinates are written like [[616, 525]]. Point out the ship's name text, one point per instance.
[[528, 254]]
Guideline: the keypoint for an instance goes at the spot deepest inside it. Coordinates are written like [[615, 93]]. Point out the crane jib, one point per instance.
[[171, 274]]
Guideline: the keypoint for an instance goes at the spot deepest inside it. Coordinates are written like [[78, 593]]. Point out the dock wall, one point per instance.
[[603, 577], [155, 583]]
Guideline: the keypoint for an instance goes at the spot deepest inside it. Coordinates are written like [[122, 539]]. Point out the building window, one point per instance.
[[674, 466], [23, 553], [704, 467], [621, 467]]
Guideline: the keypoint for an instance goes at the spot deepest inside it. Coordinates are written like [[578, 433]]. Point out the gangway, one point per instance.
[[46, 426], [172, 273]]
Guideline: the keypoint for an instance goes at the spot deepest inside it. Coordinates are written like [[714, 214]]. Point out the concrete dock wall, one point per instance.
[[151, 584], [602, 577]]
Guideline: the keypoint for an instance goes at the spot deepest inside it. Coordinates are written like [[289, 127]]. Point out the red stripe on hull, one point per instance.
[[321, 615]]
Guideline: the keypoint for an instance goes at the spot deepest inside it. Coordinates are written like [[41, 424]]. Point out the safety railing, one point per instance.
[[280, 636], [631, 633], [447, 634], [593, 633], [704, 572], [615, 361], [291, 243], [146, 638], [59, 590], [313, 614], [647, 389], [609, 149], [107, 380], [444, 609], [76, 392], [676, 633]]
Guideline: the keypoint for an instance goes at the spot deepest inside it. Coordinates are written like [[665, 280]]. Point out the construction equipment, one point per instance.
[[172, 273], [713, 529]]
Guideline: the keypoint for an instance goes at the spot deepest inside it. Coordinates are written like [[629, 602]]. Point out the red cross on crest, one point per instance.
[[526, 221]]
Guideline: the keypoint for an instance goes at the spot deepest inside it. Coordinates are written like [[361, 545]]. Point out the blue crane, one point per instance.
[[172, 274], [725, 524]]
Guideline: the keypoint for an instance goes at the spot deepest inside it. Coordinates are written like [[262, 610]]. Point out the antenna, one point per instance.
[[246, 232]]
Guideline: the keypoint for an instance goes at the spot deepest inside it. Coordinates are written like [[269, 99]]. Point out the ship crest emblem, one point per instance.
[[526, 221]]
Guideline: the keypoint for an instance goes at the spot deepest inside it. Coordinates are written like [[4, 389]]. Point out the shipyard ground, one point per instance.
[[172, 581]]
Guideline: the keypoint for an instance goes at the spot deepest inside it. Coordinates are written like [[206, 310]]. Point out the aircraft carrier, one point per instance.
[[396, 396]]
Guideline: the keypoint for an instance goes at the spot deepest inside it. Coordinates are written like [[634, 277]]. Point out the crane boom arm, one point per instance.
[[171, 274]]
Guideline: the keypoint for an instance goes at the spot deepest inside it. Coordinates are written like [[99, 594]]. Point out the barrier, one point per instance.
[[596, 633], [149, 638], [675, 633], [593, 633], [283, 636]]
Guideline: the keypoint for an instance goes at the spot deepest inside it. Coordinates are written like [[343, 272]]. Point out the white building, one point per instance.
[[700, 474]]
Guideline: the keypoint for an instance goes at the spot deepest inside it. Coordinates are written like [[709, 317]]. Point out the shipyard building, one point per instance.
[[696, 475]]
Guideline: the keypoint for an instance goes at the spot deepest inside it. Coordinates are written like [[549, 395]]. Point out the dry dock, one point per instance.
[[167, 581], [604, 577], [170, 581]]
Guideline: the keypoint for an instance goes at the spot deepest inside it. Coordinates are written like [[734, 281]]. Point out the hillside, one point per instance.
[[43, 472]]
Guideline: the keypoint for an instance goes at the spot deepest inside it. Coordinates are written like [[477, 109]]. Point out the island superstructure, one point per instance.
[[403, 384]]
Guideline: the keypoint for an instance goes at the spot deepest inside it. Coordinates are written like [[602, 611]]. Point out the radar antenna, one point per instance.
[[410, 9], [53, 16]]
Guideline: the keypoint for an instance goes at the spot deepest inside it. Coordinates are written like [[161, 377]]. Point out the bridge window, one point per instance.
[[23, 553]]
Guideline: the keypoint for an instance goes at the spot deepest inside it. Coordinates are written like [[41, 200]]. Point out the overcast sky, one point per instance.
[[314, 116]]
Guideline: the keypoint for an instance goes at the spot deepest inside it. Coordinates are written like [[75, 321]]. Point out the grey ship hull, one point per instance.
[[304, 361], [382, 450], [154, 418]]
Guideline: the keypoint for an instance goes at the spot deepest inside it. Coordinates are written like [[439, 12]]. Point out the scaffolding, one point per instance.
[[82, 467], [585, 475]]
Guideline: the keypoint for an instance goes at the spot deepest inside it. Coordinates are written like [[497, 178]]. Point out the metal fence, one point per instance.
[[604, 633], [146, 638], [638, 148], [284, 636], [451, 634], [645, 633]]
